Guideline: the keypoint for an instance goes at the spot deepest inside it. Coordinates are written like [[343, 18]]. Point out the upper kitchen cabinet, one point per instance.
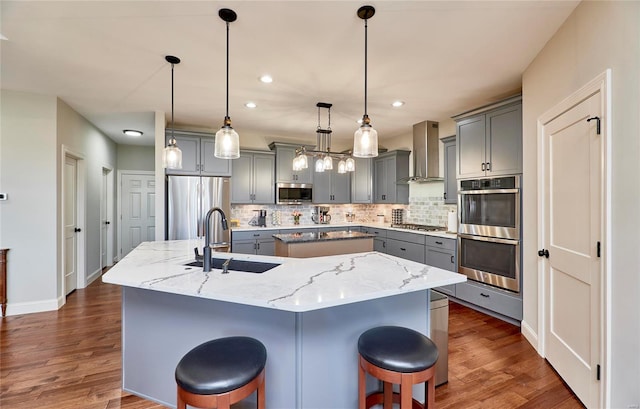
[[331, 187], [388, 168], [489, 140], [253, 180], [450, 185], [197, 155], [285, 153], [362, 181]]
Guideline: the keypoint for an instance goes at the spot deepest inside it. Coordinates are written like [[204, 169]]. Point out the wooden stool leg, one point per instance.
[[406, 392], [261, 394], [362, 399], [387, 388], [430, 393], [181, 404]]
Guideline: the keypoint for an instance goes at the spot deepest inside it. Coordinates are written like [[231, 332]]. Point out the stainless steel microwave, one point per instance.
[[294, 193]]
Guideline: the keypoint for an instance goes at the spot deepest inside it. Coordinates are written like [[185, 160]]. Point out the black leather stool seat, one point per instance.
[[397, 349], [221, 365]]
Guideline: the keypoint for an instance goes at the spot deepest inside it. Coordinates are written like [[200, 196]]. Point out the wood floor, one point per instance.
[[71, 359]]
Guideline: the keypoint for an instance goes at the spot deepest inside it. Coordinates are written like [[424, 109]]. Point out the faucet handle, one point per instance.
[[225, 265], [196, 251]]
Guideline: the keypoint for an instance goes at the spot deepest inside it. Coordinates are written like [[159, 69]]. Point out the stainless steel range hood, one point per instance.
[[426, 155]]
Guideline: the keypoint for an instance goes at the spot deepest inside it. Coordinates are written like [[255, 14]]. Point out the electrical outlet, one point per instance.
[[3, 196]]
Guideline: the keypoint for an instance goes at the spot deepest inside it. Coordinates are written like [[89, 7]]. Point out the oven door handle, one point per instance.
[[489, 239], [488, 191]]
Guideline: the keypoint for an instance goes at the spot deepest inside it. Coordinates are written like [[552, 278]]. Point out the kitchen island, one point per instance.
[[317, 244], [308, 313]]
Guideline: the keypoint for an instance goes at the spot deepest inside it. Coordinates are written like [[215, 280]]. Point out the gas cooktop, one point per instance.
[[420, 227]]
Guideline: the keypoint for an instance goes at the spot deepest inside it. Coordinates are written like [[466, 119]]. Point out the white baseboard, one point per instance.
[[93, 276], [34, 306], [530, 335]]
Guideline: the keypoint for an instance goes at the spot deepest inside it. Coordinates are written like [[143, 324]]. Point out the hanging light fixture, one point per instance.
[[227, 144], [172, 155], [322, 151], [365, 139]]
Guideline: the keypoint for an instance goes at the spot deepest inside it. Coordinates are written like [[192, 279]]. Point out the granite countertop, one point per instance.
[[387, 226], [296, 285], [322, 236]]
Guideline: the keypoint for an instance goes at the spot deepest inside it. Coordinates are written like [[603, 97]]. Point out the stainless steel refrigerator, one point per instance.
[[189, 198]]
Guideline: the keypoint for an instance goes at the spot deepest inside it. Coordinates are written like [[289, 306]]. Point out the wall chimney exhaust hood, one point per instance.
[[426, 156]]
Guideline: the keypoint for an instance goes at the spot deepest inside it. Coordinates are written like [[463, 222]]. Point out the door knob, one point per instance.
[[77, 230], [107, 222], [543, 252]]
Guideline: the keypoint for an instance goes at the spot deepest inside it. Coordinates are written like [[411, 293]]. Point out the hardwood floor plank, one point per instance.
[[71, 358]]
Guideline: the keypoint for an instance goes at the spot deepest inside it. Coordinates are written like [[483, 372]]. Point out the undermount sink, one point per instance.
[[237, 265]]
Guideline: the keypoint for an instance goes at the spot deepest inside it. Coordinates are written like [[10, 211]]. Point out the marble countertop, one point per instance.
[[296, 285], [313, 237], [387, 226]]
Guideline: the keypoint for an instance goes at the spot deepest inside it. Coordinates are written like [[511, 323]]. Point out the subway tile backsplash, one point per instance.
[[429, 210]]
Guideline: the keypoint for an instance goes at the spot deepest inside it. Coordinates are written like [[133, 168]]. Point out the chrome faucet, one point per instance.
[[225, 266], [206, 263]]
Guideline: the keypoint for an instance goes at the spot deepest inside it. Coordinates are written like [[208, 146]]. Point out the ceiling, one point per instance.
[[106, 60]]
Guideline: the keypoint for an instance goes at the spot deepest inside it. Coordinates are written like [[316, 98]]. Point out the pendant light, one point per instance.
[[172, 155], [227, 145], [365, 139]]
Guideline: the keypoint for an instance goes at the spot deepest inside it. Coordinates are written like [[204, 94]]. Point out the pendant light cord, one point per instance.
[[173, 139], [365, 67], [227, 115]]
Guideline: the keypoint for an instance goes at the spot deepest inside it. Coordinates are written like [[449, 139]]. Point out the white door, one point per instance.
[[70, 224], [572, 196], [104, 219], [138, 211]]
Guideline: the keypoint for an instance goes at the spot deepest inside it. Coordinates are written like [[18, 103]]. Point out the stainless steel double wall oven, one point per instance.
[[489, 230]]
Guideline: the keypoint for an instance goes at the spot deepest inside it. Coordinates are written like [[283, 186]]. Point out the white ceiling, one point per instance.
[[106, 60]]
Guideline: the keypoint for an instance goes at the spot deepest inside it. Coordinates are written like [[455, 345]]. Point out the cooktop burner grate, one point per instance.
[[420, 227]]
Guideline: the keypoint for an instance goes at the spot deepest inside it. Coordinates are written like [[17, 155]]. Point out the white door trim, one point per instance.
[[602, 84], [109, 216], [81, 220], [121, 173]]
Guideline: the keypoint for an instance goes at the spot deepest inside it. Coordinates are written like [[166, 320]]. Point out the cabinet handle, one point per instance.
[[384, 244], [256, 234], [445, 195], [439, 242], [403, 249], [484, 295], [258, 246], [452, 260], [255, 246], [488, 166], [483, 167]]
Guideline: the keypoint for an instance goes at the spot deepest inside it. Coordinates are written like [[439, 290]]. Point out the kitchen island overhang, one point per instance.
[[308, 313]]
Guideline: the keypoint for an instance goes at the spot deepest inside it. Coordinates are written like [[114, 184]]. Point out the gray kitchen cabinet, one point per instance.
[[387, 169], [441, 252], [380, 239], [409, 246], [362, 181], [490, 298], [259, 242], [284, 164], [253, 180], [331, 187], [489, 140], [450, 183], [197, 155]]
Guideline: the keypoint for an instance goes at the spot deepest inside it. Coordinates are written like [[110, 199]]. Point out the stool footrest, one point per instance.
[[377, 398]]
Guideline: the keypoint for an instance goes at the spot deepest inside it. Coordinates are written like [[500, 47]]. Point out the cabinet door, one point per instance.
[[380, 244], [340, 187], [242, 179], [380, 180], [361, 181], [243, 246], [450, 183], [504, 141], [322, 187], [190, 147], [406, 250], [284, 164], [470, 141], [266, 247], [209, 164], [443, 259], [264, 190]]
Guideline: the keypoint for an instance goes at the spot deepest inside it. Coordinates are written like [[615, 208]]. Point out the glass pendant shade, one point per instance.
[[296, 164], [320, 165], [227, 145], [328, 163], [304, 163], [172, 157], [365, 142], [351, 164], [342, 167]]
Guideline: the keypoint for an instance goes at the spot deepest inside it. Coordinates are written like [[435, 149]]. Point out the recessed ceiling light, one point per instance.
[[266, 79], [397, 103], [3, 37], [250, 105], [132, 132]]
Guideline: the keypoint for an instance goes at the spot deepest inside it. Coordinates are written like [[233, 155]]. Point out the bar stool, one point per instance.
[[221, 372], [396, 355]]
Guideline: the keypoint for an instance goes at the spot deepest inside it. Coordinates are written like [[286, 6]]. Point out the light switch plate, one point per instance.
[[3, 196]]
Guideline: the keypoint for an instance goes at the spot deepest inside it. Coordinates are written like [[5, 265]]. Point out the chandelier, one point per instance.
[[322, 154]]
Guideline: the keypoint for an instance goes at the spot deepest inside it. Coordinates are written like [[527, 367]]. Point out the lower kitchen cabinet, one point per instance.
[[409, 246], [441, 253], [380, 239], [259, 242], [491, 298]]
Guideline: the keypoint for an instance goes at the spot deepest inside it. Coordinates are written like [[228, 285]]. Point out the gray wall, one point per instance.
[[133, 157], [597, 36]]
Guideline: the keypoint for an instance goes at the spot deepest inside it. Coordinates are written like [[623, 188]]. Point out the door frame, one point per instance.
[[81, 221], [108, 201], [122, 173], [602, 84]]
